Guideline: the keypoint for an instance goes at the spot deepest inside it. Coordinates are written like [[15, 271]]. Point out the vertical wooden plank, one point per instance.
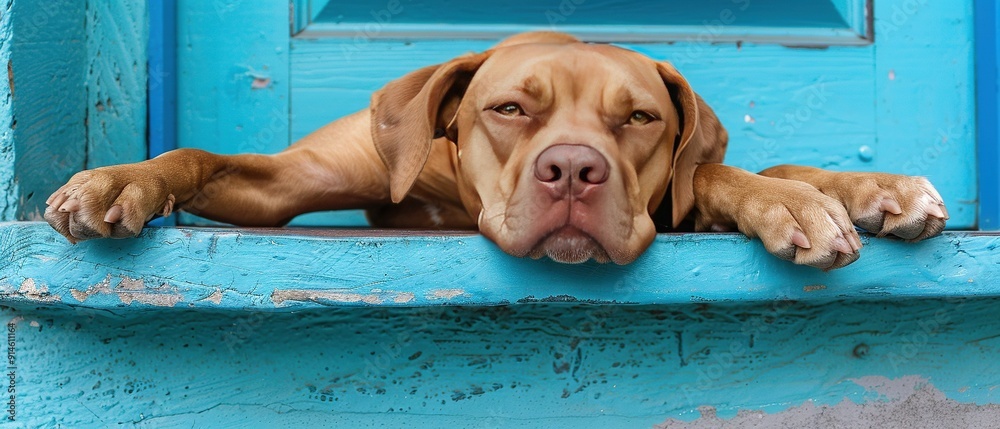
[[233, 61], [162, 76], [988, 115], [48, 96], [923, 61], [8, 197], [162, 83], [232, 89], [116, 82]]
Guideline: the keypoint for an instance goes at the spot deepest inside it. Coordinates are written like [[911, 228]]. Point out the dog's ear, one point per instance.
[[701, 140], [410, 112]]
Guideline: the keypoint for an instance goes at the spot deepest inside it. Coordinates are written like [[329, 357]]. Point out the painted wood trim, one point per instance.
[[804, 37], [293, 269], [988, 112], [9, 193], [116, 79], [45, 137], [847, 363], [909, 90], [162, 77]]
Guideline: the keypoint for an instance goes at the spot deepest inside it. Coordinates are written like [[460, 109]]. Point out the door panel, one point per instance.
[[901, 100], [792, 21]]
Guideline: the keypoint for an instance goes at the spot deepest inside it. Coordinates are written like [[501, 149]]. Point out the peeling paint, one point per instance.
[[445, 293], [813, 288], [36, 292], [279, 296], [131, 290], [260, 83], [215, 297], [403, 298], [909, 401]]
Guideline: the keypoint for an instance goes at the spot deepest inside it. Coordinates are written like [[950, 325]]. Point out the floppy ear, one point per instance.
[[702, 140], [410, 112]]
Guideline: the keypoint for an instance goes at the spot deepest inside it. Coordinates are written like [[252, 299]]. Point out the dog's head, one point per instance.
[[564, 149]]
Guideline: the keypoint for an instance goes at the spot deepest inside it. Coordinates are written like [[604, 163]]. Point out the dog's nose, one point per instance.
[[571, 164]]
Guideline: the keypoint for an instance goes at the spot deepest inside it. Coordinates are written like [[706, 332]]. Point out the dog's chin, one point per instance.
[[570, 245]]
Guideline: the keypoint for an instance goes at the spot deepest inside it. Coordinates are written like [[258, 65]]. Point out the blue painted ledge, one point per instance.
[[283, 269]]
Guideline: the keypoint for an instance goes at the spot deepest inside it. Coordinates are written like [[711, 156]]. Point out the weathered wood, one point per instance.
[[48, 97], [74, 95], [520, 366], [245, 268], [116, 77]]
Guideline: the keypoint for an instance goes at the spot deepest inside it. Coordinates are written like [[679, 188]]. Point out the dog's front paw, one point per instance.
[[905, 206], [798, 223], [107, 202]]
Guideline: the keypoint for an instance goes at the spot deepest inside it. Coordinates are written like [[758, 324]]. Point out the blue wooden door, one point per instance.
[[839, 84]]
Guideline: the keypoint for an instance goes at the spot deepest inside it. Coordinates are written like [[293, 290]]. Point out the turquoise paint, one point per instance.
[[836, 22], [52, 128], [50, 99], [524, 366], [925, 98], [116, 79], [278, 269], [8, 199]]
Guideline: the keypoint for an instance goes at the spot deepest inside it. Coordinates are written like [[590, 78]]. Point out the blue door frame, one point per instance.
[[987, 113], [163, 96]]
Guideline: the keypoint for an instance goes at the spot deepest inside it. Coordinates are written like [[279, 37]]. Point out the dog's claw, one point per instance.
[[114, 214]]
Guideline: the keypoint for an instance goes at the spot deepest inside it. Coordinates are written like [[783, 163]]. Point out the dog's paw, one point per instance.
[[107, 202], [798, 223], [905, 206]]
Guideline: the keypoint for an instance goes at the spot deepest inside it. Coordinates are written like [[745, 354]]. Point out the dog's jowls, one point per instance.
[[550, 147]]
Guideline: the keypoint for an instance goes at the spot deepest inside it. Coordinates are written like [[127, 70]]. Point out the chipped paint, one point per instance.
[[403, 298], [446, 293], [131, 290], [909, 401], [280, 296], [40, 292], [813, 288], [215, 297], [260, 82]]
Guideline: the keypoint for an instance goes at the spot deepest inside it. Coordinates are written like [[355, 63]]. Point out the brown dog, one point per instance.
[[550, 147]]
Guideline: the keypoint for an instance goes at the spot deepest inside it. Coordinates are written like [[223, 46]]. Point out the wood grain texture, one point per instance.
[[49, 124], [554, 365], [236, 269], [117, 35], [8, 197], [925, 98]]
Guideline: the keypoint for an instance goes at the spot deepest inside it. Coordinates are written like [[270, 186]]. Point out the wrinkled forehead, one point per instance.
[[576, 67]]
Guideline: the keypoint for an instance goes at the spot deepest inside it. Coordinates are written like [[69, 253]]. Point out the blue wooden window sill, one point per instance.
[[288, 269]]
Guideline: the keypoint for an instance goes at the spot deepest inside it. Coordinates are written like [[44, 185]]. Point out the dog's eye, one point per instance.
[[509, 109], [639, 117]]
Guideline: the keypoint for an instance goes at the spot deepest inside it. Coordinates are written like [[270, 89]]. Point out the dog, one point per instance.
[[549, 146]]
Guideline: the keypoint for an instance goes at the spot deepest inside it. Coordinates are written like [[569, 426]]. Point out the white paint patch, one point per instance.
[[906, 402], [403, 298], [214, 298], [446, 293], [35, 292], [131, 290], [304, 295], [35, 324]]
